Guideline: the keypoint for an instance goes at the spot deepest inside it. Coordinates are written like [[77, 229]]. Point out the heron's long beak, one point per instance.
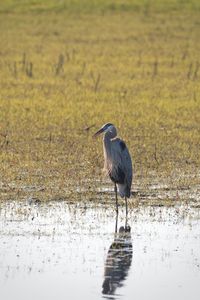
[[98, 132]]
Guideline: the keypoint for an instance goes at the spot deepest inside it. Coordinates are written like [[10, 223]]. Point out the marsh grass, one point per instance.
[[64, 72]]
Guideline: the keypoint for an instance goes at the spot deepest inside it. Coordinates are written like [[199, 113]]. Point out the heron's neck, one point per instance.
[[107, 143]]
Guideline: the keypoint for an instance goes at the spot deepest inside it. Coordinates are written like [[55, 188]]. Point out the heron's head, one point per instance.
[[108, 127]]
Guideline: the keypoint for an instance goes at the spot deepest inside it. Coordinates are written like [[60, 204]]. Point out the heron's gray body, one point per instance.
[[118, 164]]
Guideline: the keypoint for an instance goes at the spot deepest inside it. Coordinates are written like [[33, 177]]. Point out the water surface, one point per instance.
[[78, 251]]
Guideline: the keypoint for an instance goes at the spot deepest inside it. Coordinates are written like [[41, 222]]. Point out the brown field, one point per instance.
[[65, 70]]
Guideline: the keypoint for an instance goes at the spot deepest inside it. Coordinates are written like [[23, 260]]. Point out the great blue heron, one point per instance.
[[117, 162]]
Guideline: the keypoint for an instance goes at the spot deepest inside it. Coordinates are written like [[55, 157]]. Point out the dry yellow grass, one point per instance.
[[62, 71]]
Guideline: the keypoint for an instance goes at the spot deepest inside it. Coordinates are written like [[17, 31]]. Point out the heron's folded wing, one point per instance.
[[121, 162]]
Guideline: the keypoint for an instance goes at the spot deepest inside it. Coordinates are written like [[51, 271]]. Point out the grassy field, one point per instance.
[[67, 67]]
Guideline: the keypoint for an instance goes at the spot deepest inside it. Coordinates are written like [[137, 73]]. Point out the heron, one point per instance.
[[117, 162]]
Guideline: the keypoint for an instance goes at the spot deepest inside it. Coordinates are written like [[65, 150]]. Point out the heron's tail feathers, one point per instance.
[[124, 190]]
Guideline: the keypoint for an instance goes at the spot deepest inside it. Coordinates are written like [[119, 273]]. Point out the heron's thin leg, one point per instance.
[[116, 199], [126, 207], [126, 221], [116, 223]]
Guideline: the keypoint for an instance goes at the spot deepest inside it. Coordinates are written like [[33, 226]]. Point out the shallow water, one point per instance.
[[66, 251]]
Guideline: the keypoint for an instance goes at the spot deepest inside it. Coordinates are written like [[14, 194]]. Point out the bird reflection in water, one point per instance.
[[118, 260]]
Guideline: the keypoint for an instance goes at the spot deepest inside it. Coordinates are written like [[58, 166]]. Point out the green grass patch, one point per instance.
[[95, 6]]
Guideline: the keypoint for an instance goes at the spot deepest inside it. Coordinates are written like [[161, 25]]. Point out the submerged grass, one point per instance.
[[65, 70]]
